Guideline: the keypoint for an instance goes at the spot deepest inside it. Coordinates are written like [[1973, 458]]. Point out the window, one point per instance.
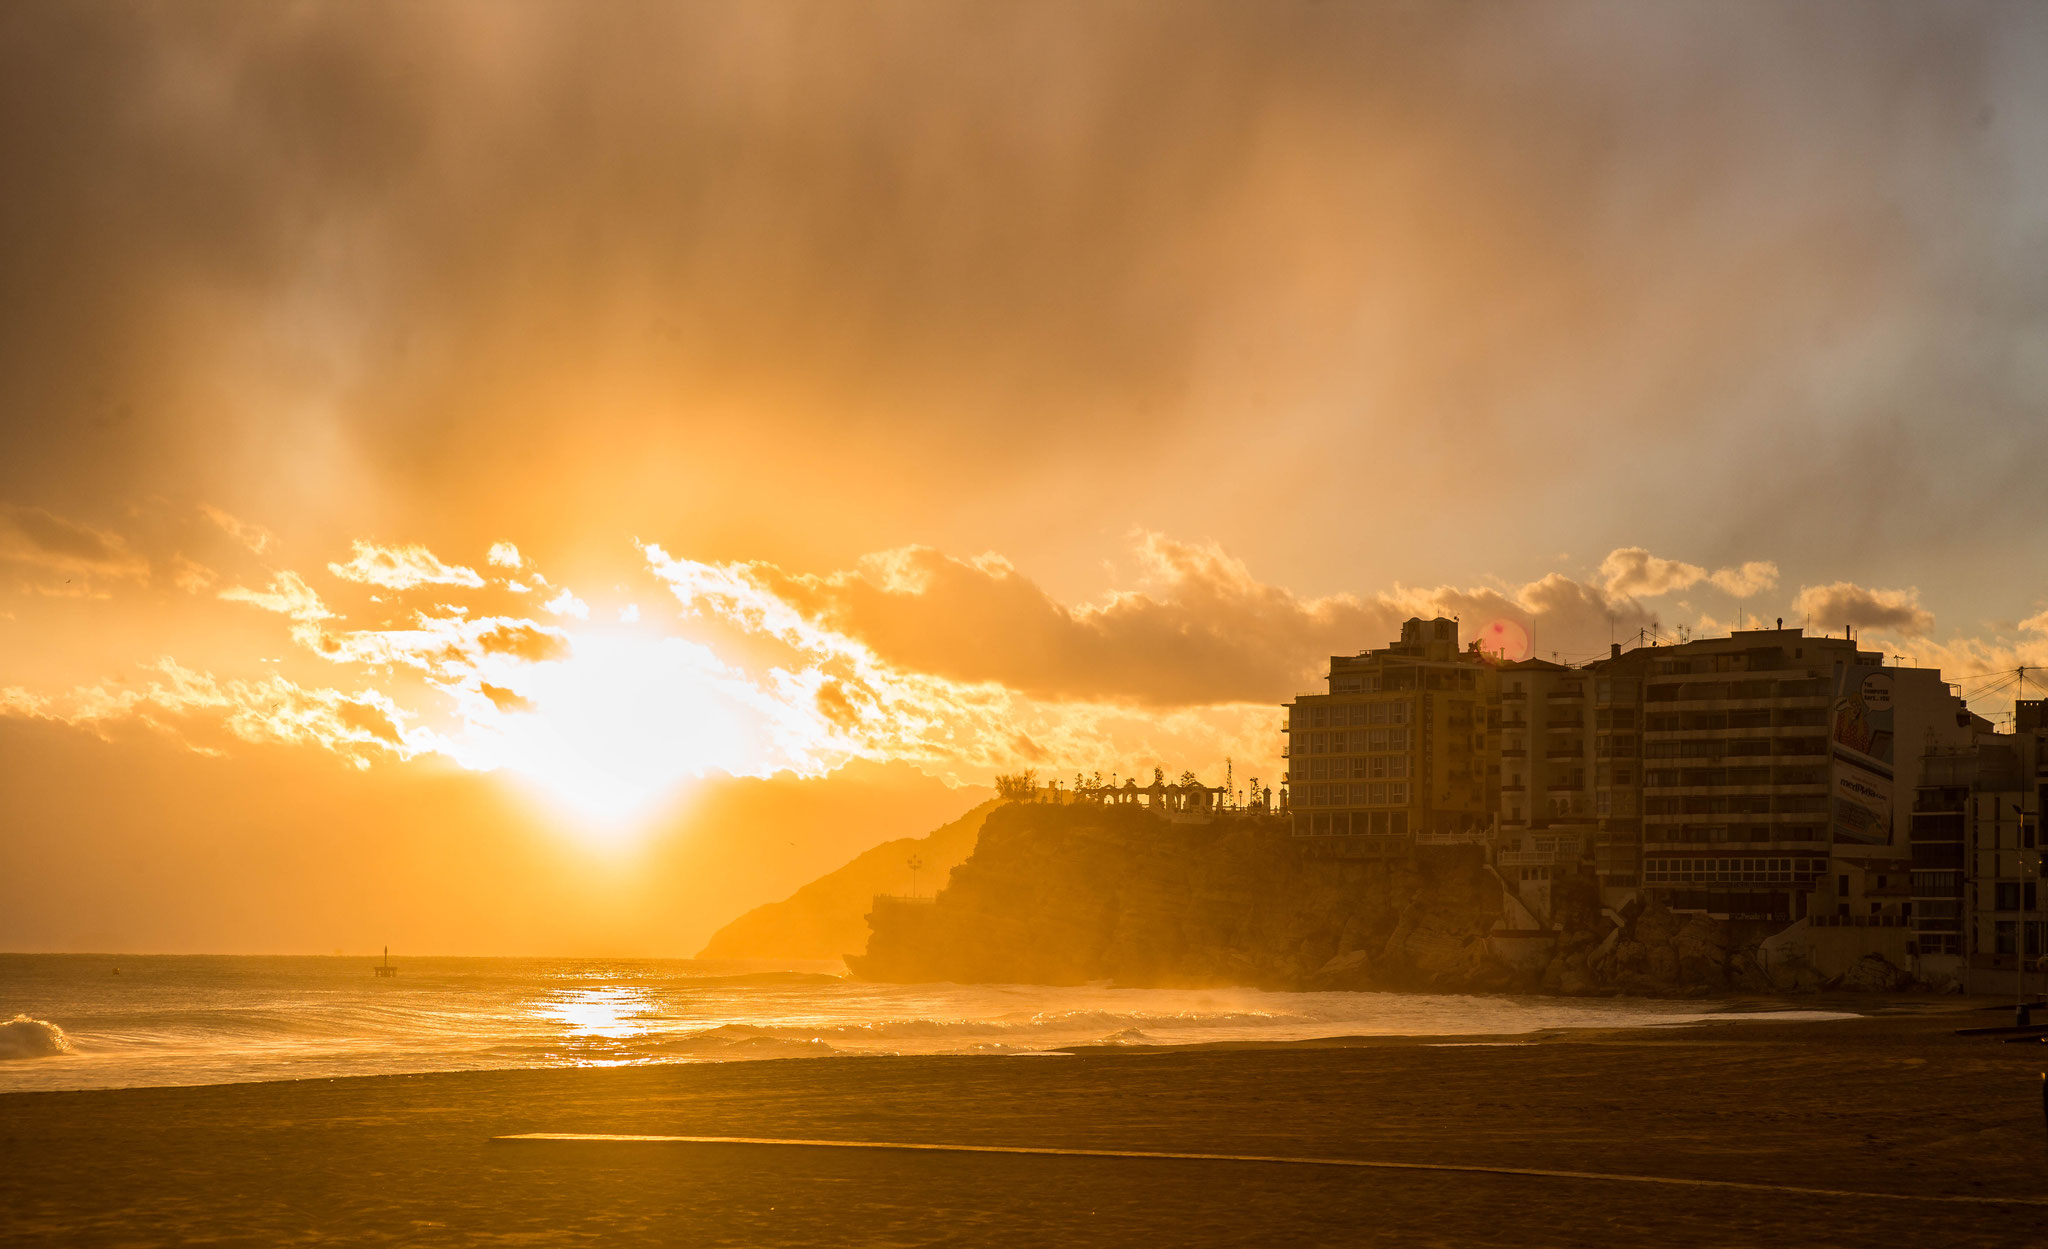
[[2004, 937], [1397, 792], [1841, 886], [2008, 896], [1378, 795], [1397, 739]]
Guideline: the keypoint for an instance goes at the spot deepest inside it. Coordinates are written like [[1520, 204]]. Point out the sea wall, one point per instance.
[[1077, 893]]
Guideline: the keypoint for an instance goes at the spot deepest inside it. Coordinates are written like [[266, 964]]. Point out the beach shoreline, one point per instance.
[[1885, 1103]]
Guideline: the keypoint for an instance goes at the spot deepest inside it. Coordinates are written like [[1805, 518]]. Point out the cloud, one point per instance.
[[253, 536], [522, 640], [449, 648], [504, 555], [1748, 579], [61, 556], [567, 604], [505, 700], [1633, 571], [192, 577], [1844, 604], [1199, 629], [201, 709], [288, 595], [2036, 623], [401, 568]]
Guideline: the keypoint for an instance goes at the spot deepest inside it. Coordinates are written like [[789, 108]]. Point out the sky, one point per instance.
[[591, 416]]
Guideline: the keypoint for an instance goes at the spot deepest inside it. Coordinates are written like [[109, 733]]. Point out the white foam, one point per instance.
[[23, 1037]]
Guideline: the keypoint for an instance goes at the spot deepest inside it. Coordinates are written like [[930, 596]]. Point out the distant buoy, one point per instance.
[[384, 968]]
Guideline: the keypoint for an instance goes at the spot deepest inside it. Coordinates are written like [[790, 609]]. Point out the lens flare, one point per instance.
[[1506, 639]]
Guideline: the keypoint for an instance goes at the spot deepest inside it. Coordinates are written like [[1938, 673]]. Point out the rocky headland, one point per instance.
[[1067, 894]]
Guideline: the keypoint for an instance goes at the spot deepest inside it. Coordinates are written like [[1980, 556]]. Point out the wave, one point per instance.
[[23, 1037], [761, 978], [1046, 1024]]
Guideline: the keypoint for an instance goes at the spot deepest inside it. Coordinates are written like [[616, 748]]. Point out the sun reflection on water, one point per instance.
[[612, 1014]]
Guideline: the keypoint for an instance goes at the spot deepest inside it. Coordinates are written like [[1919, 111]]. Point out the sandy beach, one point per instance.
[[1890, 1104]]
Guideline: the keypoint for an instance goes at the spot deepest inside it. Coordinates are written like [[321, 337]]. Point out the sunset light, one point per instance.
[[618, 727], [1024, 623]]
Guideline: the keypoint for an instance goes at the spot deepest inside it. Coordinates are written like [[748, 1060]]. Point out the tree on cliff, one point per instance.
[[1017, 786]]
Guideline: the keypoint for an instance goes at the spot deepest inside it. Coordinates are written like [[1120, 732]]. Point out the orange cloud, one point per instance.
[[253, 536], [288, 595], [401, 568], [1845, 603], [55, 555]]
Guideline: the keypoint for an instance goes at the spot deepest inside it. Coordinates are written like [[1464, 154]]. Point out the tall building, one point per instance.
[[1403, 743], [1977, 887], [1569, 782], [1769, 761]]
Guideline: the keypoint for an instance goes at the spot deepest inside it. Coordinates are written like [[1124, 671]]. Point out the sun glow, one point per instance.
[[615, 732]]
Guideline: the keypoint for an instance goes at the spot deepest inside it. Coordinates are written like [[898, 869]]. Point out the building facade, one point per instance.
[[1768, 766], [1403, 743], [1977, 887]]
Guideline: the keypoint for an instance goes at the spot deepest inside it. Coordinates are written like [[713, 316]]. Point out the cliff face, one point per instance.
[[824, 919], [1067, 894]]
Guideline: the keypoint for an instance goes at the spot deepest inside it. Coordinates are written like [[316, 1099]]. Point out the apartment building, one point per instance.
[[1768, 764], [1403, 743], [1977, 888], [1570, 772]]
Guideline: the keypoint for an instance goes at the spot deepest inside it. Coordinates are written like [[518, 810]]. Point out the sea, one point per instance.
[[78, 1021]]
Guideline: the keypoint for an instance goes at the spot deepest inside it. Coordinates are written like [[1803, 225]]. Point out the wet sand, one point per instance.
[[1891, 1104]]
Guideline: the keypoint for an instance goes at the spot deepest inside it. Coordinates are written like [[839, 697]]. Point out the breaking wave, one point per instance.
[[1078, 1023], [23, 1037]]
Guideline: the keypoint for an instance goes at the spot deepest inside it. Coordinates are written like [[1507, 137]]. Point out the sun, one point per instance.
[[612, 735]]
